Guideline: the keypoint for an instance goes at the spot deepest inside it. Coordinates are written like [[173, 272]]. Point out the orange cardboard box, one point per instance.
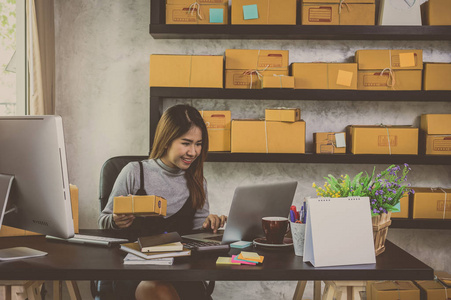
[[244, 59], [186, 71], [432, 290], [278, 82], [364, 139], [185, 12], [437, 76], [326, 142], [404, 213], [275, 12], [244, 79], [282, 114], [325, 75], [436, 12], [436, 123], [384, 290], [433, 144], [444, 277], [408, 80], [353, 12], [11, 231], [431, 203], [140, 205], [258, 136], [395, 59], [218, 126]]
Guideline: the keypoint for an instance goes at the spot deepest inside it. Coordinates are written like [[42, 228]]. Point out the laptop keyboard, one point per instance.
[[215, 237], [198, 246]]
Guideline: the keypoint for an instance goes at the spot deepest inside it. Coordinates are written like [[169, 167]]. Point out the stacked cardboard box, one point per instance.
[[437, 76], [436, 12], [432, 290], [379, 290], [283, 114], [336, 76], [149, 205], [336, 12], [389, 69], [431, 203], [218, 126], [245, 68], [436, 134], [186, 71], [387, 139], [278, 82], [196, 12], [330, 142], [275, 12]]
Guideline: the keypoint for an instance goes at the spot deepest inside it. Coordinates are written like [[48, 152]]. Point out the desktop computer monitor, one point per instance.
[[32, 151]]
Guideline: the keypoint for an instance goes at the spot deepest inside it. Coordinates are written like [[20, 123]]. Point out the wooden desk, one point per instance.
[[67, 261]]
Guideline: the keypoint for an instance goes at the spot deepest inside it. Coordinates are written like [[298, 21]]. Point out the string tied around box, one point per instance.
[[195, 6], [388, 137], [256, 72], [444, 286], [391, 74], [446, 198], [280, 79], [340, 6]]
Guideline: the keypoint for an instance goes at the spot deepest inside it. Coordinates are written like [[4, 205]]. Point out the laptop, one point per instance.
[[249, 205]]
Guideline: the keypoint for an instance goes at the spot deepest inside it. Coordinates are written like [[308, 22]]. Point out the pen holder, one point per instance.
[[298, 233]]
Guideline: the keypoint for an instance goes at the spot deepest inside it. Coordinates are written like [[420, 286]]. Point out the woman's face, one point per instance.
[[184, 150]]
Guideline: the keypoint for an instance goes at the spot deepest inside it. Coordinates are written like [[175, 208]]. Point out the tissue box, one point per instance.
[[437, 12], [375, 139], [335, 76], [218, 126], [392, 290], [429, 203], [436, 123], [283, 114], [275, 12], [258, 136], [404, 204], [278, 82], [186, 71], [150, 205], [401, 13], [326, 142], [329, 12], [210, 12], [437, 76]]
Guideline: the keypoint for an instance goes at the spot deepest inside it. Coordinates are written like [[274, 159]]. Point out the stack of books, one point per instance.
[[155, 250]]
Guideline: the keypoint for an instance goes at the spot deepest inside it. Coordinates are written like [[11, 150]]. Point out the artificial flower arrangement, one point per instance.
[[384, 190]]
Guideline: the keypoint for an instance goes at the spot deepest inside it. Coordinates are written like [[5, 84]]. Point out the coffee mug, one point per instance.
[[275, 229]]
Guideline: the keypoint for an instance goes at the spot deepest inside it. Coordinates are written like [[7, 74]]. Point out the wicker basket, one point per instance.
[[380, 230]]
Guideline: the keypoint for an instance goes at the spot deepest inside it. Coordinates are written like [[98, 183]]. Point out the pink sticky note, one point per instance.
[[242, 261]]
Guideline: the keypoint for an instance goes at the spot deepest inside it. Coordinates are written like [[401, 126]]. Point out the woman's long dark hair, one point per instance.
[[175, 122]]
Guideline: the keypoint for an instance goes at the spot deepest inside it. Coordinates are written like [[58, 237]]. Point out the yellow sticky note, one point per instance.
[[250, 255], [344, 78], [225, 261], [406, 60]]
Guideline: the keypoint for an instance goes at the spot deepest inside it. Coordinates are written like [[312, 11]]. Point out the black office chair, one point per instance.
[[108, 174]]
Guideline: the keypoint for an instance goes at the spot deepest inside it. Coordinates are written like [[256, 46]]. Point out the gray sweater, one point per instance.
[[159, 180]]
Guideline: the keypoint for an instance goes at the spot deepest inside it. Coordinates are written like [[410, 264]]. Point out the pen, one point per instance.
[[292, 216], [302, 214]]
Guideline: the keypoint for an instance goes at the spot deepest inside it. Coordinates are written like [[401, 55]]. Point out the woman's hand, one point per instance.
[[123, 221], [214, 222]]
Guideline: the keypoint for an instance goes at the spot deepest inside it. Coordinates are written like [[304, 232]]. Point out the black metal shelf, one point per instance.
[[329, 158], [420, 223]]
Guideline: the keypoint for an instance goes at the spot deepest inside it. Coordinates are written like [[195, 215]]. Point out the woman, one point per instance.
[[174, 171]]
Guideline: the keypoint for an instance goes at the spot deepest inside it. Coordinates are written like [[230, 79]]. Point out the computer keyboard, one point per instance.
[[99, 238], [205, 247]]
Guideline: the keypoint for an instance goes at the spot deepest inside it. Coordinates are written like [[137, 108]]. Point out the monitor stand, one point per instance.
[[16, 252]]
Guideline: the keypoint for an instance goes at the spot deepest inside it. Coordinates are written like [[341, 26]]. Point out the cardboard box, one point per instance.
[[436, 144], [278, 82], [11, 231], [436, 123], [444, 277], [404, 213], [388, 139], [246, 79], [326, 142], [431, 203], [437, 12], [437, 77], [206, 12], [399, 13], [409, 80], [268, 60], [282, 114], [398, 289], [353, 12], [140, 205], [218, 126], [275, 12], [335, 76], [258, 136], [395, 59], [432, 290], [186, 71]]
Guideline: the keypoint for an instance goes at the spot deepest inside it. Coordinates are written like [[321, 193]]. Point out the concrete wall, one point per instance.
[[102, 93]]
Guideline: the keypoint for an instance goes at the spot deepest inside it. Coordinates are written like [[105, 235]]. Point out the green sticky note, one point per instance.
[[250, 12], [216, 15], [397, 207]]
